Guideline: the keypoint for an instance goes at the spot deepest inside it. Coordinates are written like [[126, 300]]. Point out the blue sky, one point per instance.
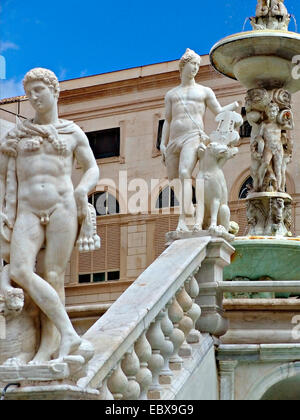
[[81, 38]]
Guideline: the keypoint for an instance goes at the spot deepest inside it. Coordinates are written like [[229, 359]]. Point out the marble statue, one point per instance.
[[41, 214], [271, 14], [271, 118], [212, 212], [183, 135]]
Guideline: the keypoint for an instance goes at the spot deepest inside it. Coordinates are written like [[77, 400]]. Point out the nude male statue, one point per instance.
[[38, 157], [272, 152], [183, 131]]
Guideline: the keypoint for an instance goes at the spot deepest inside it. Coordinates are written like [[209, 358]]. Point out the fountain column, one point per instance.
[[262, 60]]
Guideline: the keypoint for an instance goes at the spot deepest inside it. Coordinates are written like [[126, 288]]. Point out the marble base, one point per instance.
[[39, 373]]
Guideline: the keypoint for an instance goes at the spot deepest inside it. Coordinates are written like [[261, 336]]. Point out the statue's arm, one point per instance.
[[166, 128], [85, 157], [213, 104]]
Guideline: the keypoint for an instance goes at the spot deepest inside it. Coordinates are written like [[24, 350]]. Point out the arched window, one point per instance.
[[104, 203], [168, 199], [245, 188]]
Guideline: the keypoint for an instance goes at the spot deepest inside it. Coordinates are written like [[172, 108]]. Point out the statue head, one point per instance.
[[272, 110], [41, 83], [187, 57]]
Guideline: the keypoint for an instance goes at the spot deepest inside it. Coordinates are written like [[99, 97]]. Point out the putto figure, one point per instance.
[[41, 212], [183, 133]]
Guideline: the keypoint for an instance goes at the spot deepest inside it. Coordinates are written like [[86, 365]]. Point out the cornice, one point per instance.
[[133, 85]]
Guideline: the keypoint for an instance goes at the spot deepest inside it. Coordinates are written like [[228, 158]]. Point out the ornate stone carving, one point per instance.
[[271, 14], [269, 113], [184, 138]]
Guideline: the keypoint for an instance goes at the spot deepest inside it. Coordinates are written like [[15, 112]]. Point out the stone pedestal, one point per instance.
[[210, 298], [269, 214]]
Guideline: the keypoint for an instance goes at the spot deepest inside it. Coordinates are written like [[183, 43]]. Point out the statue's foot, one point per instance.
[[220, 232], [197, 228], [68, 345], [15, 362], [182, 226]]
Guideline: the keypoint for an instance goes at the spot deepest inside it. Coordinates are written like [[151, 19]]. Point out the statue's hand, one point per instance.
[[82, 203]]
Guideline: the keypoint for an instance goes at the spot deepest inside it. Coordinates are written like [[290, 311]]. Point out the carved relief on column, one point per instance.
[[270, 115]]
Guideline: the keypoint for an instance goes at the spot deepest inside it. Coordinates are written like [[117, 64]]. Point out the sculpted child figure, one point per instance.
[[183, 132], [40, 210]]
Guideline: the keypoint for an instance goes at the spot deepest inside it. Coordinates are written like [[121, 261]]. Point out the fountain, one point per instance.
[[263, 60]]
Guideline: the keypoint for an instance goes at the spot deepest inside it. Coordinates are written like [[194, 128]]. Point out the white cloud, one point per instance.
[[10, 88], [7, 45]]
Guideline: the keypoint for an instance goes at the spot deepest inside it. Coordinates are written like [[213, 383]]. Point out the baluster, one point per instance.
[[130, 366], [176, 336], [194, 313], [118, 382], [186, 324], [144, 376], [168, 348], [156, 339], [105, 393]]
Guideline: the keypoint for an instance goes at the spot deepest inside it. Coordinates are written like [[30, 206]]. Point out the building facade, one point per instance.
[[122, 114]]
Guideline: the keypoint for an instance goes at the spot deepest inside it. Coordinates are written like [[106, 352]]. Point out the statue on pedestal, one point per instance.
[[40, 216], [183, 137], [269, 112]]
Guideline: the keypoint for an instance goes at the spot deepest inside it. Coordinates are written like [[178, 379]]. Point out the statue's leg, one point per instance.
[[214, 211], [25, 245], [60, 244], [187, 163], [224, 216], [267, 157], [278, 169], [200, 204]]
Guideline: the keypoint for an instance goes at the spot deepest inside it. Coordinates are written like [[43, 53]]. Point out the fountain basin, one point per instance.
[[259, 59], [259, 257]]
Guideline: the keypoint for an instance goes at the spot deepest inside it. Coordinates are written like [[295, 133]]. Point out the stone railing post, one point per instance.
[[210, 298]]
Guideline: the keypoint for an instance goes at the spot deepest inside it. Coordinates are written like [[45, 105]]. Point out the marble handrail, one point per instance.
[[254, 286], [158, 309]]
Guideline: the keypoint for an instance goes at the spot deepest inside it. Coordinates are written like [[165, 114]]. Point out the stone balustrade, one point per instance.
[[143, 340]]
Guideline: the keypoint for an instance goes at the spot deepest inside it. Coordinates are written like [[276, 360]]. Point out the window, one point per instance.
[[159, 133], [105, 143], [245, 188], [246, 129], [104, 203], [99, 277], [168, 199]]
